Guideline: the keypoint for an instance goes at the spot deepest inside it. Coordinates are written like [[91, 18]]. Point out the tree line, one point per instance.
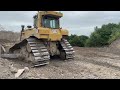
[[102, 36]]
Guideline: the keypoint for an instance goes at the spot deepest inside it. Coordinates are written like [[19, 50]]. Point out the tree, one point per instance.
[[76, 40], [83, 39], [101, 36], [115, 35]]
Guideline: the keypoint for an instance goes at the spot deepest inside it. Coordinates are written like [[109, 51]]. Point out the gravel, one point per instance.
[[89, 63]]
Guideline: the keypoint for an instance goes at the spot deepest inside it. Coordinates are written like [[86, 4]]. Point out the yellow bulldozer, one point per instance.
[[43, 40]]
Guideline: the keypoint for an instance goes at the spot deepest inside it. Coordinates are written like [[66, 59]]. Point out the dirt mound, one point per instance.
[[114, 47], [3, 41], [4, 69], [6, 44], [115, 44], [8, 68]]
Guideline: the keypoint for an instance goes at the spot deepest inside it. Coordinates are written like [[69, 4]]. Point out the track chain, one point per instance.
[[40, 52], [68, 49]]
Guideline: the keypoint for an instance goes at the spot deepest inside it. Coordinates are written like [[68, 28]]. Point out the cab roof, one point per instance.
[[51, 13]]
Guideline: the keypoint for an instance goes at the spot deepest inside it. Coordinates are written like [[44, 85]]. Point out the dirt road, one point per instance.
[[89, 63]]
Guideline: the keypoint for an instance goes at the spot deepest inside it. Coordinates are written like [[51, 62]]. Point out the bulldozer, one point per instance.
[[44, 39]]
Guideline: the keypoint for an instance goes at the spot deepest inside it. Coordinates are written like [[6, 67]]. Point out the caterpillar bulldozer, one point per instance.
[[43, 40]]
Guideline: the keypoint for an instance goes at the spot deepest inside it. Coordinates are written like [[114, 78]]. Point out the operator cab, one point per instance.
[[50, 22], [47, 19]]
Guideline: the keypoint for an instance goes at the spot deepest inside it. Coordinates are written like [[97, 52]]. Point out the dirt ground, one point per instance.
[[89, 63]]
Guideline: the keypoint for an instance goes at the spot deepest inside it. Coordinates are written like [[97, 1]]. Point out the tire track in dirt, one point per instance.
[[101, 62], [75, 68]]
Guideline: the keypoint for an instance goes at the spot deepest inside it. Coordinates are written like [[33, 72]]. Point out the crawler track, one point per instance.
[[33, 49], [68, 49]]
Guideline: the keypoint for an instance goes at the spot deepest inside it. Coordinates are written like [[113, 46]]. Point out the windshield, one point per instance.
[[51, 22]]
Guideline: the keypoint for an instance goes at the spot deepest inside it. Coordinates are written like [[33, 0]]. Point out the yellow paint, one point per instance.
[[43, 36], [29, 32], [51, 13], [46, 33], [64, 32], [44, 30]]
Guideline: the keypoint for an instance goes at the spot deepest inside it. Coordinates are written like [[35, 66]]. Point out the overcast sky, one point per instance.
[[77, 22]]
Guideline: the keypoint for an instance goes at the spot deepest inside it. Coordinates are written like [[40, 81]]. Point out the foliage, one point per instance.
[[104, 35], [78, 40], [100, 37]]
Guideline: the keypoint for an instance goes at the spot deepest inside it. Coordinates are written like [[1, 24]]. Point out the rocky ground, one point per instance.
[[89, 63]]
